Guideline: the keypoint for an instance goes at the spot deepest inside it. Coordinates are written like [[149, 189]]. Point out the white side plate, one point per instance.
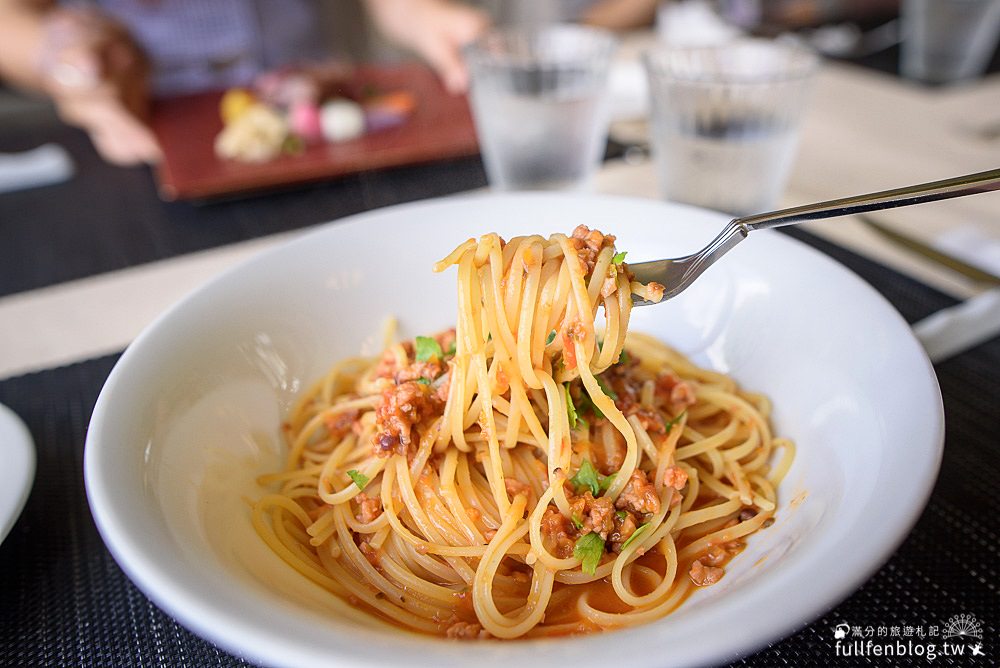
[[17, 472]]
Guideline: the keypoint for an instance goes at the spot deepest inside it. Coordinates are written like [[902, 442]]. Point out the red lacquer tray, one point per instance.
[[440, 128]]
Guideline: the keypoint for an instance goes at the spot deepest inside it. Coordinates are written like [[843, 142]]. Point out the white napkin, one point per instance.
[[42, 166], [628, 90], [955, 329], [977, 242], [692, 23]]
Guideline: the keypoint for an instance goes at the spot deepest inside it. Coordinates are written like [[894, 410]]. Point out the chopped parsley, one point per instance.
[[623, 358], [427, 348], [424, 381], [551, 338], [453, 348], [587, 477], [588, 549], [570, 408], [621, 515], [635, 535], [619, 257], [577, 522], [670, 424], [607, 390], [606, 481], [587, 404], [360, 479]]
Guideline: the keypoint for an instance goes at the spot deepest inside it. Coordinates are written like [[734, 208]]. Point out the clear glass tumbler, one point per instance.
[[540, 103], [947, 41], [725, 120]]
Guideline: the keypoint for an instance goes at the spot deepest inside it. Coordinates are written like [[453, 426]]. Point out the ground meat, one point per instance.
[[573, 332], [400, 408], [651, 420], [678, 393], [447, 340], [388, 366], [515, 487], [467, 631], [703, 575], [627, 386], [639, 495], [443, 388], [429, 370], [596, 515], [607, 460], [588, 243], [623, 380], [625, 526], [675, 477], [369, 508], [683, 395], [371, 554], [609, 285], [340, 424], [558, 532], [715, 556]]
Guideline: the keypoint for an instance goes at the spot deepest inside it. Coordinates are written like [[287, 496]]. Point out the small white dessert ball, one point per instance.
[[341, 120]]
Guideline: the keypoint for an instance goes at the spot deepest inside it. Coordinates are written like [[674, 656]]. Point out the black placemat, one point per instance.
[[63, 600], [108, 217]]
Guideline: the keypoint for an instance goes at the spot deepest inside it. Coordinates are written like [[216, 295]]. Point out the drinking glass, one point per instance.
[[946, 41], [540, 103], [725, 120]]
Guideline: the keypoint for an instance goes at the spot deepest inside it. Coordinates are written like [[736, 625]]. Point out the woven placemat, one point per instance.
[[107, 218], [64, 601]]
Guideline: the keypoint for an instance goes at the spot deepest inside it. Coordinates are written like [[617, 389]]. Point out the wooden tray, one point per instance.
[[441, 127]]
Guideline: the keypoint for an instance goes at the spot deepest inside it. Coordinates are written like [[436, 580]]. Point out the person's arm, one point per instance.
[[796, 14], [435, 29], [21, 33], [90, 67], [621, 14]]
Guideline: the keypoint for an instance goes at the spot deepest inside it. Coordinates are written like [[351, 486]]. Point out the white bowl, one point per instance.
[[191, 414], [18, 471]]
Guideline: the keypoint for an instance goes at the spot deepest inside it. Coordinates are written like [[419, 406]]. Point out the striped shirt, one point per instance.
[[196, 45]]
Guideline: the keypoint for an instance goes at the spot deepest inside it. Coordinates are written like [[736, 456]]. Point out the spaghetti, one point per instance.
[[522, 474]]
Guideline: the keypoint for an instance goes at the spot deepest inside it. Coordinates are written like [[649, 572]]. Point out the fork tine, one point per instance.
[[676, 274]]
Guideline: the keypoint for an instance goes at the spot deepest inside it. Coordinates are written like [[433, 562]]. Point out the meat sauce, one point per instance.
[[411, 401]]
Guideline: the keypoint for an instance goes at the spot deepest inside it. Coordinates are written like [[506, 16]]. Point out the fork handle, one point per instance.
[[958, 186]]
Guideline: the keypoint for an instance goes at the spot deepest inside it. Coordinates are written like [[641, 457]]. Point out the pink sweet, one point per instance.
[[304, 120]]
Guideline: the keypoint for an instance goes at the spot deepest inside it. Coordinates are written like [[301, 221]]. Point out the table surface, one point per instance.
[[86, 264]]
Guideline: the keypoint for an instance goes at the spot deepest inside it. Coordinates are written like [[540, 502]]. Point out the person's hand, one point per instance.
[[435, 29], [97, 77]]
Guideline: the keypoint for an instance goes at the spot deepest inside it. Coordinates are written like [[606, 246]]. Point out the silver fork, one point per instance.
[[677, 274]]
